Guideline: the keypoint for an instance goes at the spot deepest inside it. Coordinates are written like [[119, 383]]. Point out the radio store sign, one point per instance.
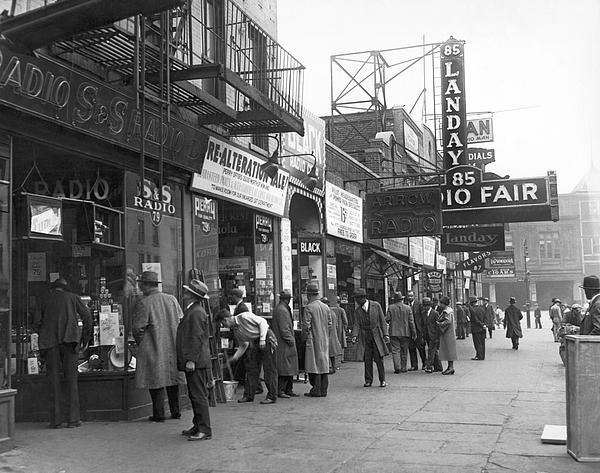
[[343, 214]]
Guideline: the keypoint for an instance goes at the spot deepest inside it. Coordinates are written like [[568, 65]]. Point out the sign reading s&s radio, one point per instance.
[[403, 212]]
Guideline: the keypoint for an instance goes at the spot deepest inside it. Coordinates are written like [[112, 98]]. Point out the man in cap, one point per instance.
[[556, 316], [193, 357], [512, 323], [335, 347], [371, 332], [316, 323], [287, 356], [432, 335], [154, 325], [477, 317], [489, 315], [59, 341], [461, 321], [258, 344], [401, 330], [591, 321], [418, 344]]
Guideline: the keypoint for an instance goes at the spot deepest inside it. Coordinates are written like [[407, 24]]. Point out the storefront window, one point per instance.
[[263, 264], [349, 275], [206, 245]]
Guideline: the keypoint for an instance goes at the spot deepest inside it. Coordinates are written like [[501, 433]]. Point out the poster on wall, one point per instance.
[[36, 267], [343, 213], [429, 252], [434, 281], [286, 253]]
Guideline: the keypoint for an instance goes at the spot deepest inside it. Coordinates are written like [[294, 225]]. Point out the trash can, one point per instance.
[[583, 397]]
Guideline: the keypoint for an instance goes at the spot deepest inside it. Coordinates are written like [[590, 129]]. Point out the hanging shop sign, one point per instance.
[[396, 245], [403, 212], [310, 246], [434, 281], [286, 254], [263, 229], [474, 260], [501, 259], [148, 198], [473, 238], [343, 213], [416, 250], [454, 110], [480, 130], [480, 156], [45, 88], [500, 273], [234, 174], [440, 262]]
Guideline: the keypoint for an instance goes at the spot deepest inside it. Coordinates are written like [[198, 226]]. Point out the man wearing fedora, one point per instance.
[[287, 356], [59, 341], [477, 317], [371, 333], [316, 323], [401, 329], [154, 325], [193, 357], [512, 323], [590, 324]]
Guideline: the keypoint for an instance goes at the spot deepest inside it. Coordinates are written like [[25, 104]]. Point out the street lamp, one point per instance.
[[271, 166], [525, 260]]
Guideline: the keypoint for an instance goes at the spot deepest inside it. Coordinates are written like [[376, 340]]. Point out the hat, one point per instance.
[[512, 300], [237, 292], [285, 294], [486, 299], [458, 302], [149, 276], [325, 300], [473, 300], [576, 307], [426, 301], [444, 300], [556, 299], [312, 288], [60, 282], [338, 299], [360, 292], [197, 288], [396, 296], [591, 282]]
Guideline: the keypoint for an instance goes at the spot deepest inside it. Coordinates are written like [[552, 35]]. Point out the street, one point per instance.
[[488, 417]]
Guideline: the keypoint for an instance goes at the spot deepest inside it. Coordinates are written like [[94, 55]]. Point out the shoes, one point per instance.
[[397, 371], [283, 396], [367, 385], [268, 401], [245, 399], [428, 370], [448, 371], [383, 384], [176, 416], [73, 425], [259, 391], [424, 368], [475, 358], [414, 368], [156, 419], [311, 395], [437, 369], [200, 436], [403, 370], [190, 431], [291, 394], [54, 426]]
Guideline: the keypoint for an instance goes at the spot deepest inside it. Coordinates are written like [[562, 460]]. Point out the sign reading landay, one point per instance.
[[343, 213], [480, 130], [477, 238], [403, 212], [454, 109], [235, 174]]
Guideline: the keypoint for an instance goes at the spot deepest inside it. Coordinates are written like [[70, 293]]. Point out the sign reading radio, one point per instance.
[[454, 111]]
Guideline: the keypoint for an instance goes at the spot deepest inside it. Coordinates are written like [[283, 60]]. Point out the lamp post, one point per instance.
[[527, 304], [271, 166]]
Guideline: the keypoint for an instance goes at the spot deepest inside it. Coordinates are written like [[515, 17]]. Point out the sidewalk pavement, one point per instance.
[[488, 417]]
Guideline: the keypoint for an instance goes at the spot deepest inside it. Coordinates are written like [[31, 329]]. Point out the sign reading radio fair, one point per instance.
[[403, 212], [454, 111]]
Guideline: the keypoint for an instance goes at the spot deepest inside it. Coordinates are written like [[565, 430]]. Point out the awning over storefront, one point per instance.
[[389, 263]]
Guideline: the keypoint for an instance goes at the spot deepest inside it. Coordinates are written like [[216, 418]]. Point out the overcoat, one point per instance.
[[342, 321], [316, 321], [335, 347], [192, 340], [432, 329], [489, 316], [155, 322], [461, 315], [401, 321], [372, 323], [447, 351], [590, 325], [283, 327], [512, 317], [477, 317]]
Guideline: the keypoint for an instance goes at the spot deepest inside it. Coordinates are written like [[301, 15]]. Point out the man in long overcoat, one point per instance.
[[155, 322], [316, 321], [335, 347], [287, 355], [371, 332], [489, 316], [461, 321], [418, 344], [477, 318], [512, 323], [432, 336], [342, 324], [401, 329]]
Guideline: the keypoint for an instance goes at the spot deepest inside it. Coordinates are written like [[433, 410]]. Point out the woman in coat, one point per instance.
[[447, 340], [287, 356]]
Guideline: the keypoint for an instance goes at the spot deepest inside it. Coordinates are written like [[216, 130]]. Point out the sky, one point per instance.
[[534, 63]]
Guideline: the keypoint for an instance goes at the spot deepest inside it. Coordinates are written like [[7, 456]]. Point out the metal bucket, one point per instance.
[[229, 388]]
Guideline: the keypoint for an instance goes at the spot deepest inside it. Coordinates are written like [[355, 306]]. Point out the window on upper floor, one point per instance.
[[549, 245], [590, 209], [591, 245]]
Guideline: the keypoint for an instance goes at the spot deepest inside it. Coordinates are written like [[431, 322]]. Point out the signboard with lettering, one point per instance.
[[480, 130], [479, 156], [454, 111], [474, 238], [500, 259], [501, 272], [403, 212], [434, 281], [310, 246], [343, 213], [474, 260], [235, 174]]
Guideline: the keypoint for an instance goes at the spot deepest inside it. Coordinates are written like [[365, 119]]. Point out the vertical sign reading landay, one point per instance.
[[454, 110], [343, 213]]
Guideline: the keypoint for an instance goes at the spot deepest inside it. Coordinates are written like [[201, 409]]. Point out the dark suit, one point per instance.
[[461, 322], [490, 316], [418, 344], [432, 338], [192, 344], [370, 328], [287, 356], [477, 315], [590, 325]]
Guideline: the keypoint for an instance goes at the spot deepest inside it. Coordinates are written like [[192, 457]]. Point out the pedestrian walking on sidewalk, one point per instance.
[[591, 320], [512, 323], [155, 322], [447, 341], [477, 317], [335, 347], [287, 355], [461, 320], [342, 324], [556, 315], [193, 357], [418, 344], [432, 337], [59, 342], [371, 333], [490, 316], [401, 330], [316, 323], [537, 314]]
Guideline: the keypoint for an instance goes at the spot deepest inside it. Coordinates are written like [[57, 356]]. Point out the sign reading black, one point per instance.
[[472, 239], [403, 213], [310, 246]]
